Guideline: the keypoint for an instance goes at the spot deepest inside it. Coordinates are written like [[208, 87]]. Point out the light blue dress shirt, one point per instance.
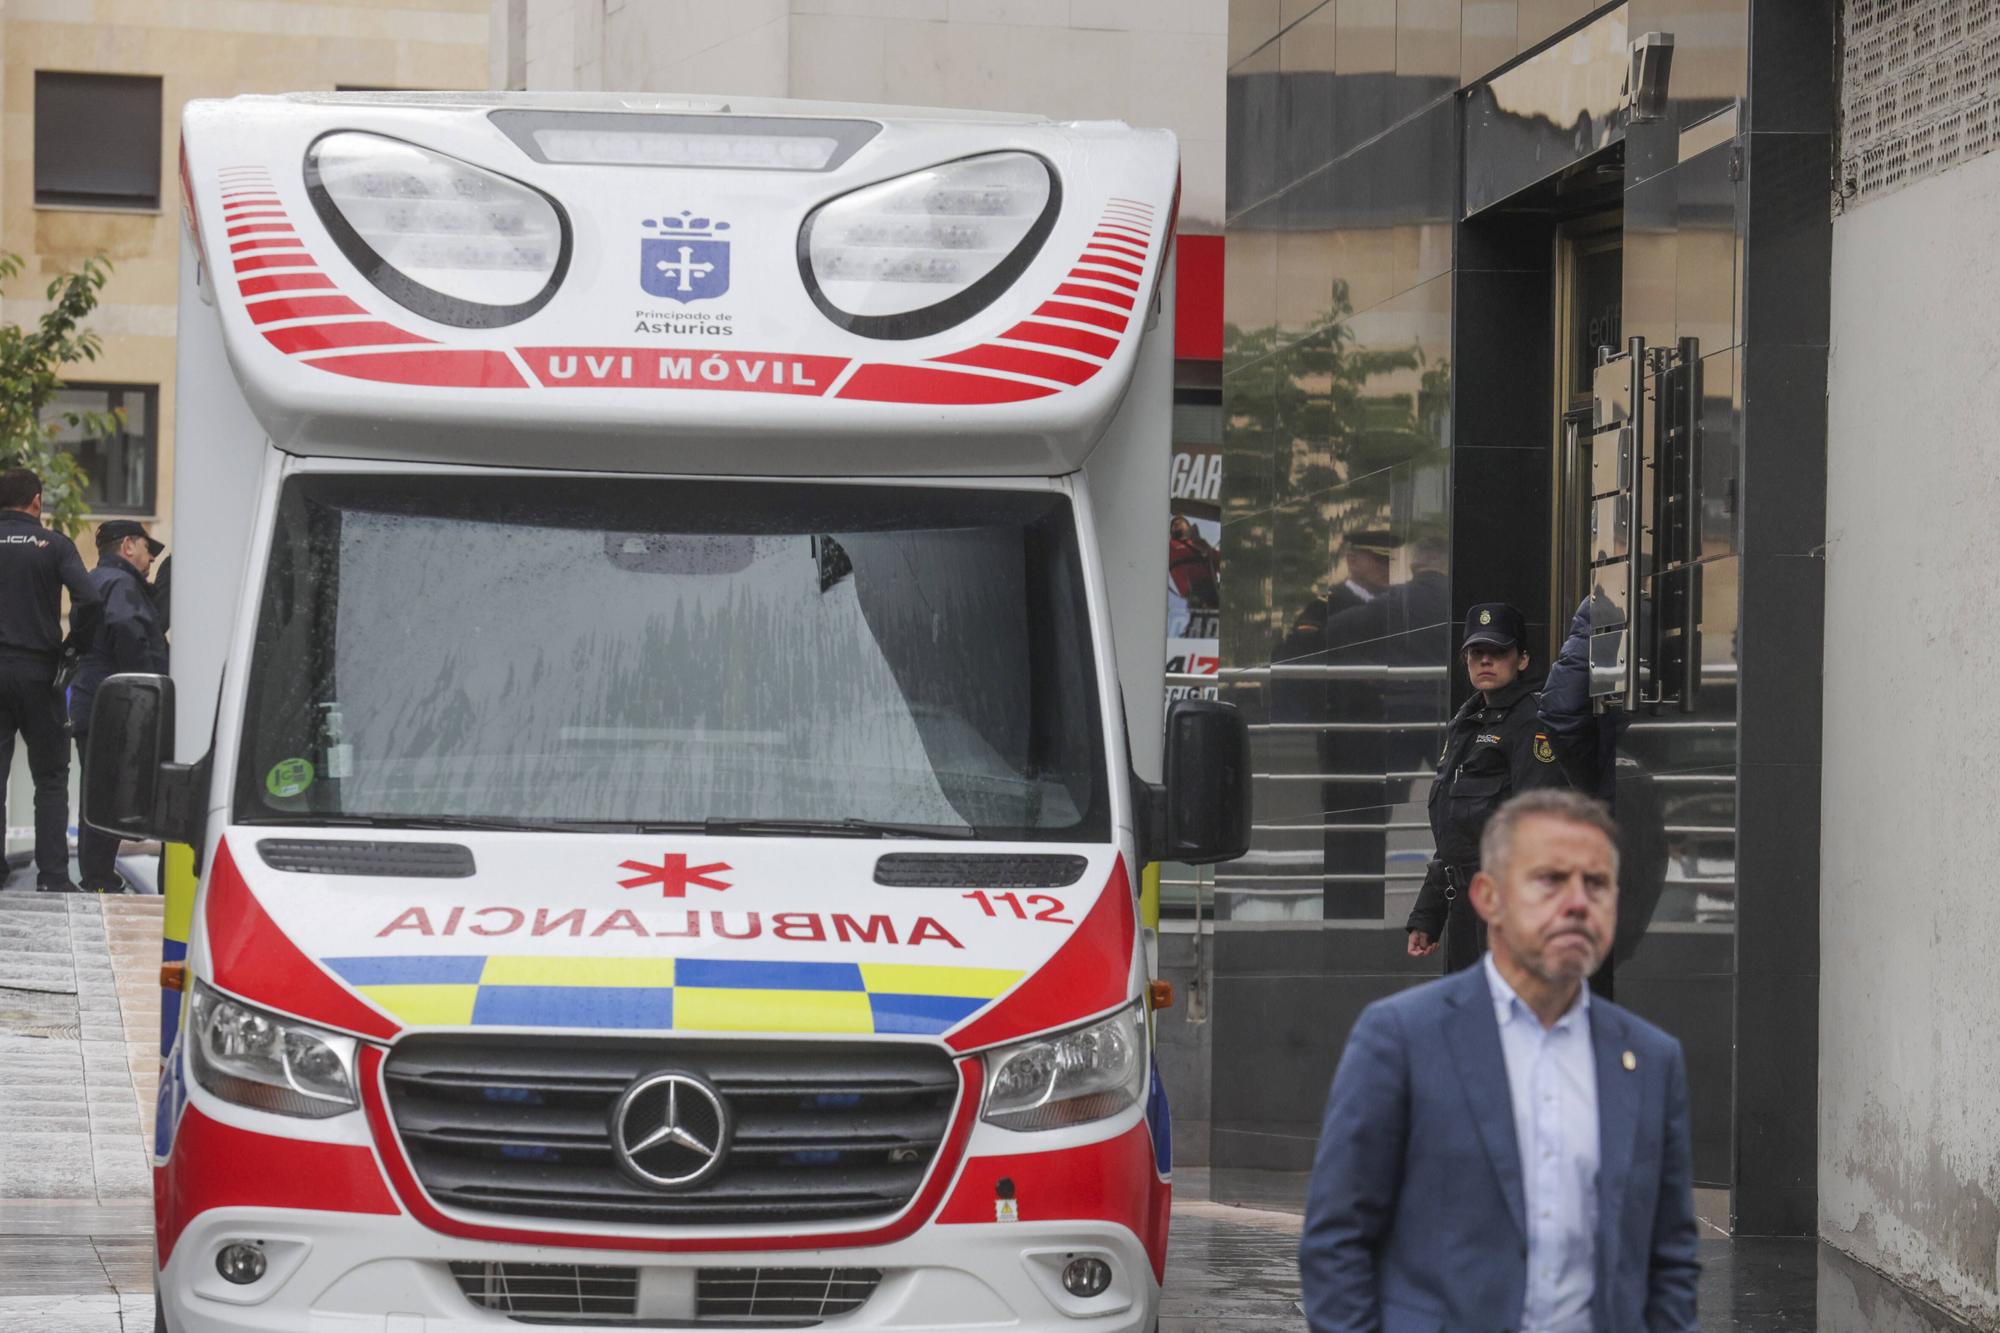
[[1552, 1076]]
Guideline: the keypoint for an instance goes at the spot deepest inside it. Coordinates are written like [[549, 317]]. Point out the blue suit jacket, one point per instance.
[[1416, 1220]]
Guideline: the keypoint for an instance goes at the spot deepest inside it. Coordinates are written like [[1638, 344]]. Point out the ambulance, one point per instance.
[[665, 734]]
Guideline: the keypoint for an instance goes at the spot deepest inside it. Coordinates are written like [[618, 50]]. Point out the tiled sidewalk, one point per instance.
[[79, 1034]]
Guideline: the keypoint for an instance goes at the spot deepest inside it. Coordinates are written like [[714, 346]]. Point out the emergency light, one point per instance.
[[708, 142], [451, 241], [917, 254]]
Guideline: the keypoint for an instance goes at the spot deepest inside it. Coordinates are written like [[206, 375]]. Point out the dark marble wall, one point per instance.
[[1397, 172]]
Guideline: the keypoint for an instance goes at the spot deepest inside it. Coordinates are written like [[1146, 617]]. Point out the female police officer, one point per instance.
[[1494, 749]]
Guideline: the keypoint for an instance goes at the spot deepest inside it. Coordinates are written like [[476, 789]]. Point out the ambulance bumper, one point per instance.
[[346, 1273]]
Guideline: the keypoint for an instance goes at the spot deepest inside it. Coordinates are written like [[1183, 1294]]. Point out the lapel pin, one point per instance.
[[1630, 1061]]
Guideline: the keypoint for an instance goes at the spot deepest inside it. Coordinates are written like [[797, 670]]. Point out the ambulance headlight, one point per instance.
[[453, 242], [1072, 1078], [915, 255], [255, 1058]]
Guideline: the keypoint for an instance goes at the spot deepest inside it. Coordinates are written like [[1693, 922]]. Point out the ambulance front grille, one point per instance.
[[721, 1297], [822, 1132]]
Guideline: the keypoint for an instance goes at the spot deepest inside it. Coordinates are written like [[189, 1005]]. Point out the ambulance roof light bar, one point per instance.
[[708, 142]]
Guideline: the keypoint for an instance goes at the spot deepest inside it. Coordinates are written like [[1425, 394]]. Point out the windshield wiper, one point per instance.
[[846, 828], [487, 822]]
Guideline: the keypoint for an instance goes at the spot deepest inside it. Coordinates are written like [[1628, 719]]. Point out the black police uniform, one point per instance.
[[36, 564], [127, 632], [1494, 749]]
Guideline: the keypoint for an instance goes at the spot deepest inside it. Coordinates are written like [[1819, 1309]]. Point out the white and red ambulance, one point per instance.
[[664, 725]]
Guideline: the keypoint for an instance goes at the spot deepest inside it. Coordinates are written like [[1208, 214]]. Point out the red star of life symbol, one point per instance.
[[673, 875]]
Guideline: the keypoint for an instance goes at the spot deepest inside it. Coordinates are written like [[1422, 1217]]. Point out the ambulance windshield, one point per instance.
[[617, 653]]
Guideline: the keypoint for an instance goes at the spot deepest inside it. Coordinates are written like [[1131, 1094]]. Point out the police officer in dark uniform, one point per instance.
[[1495, 748], [127, 632], [35, 566]]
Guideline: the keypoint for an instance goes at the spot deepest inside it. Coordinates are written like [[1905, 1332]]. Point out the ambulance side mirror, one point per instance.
[[131, 785], [1207, 792]]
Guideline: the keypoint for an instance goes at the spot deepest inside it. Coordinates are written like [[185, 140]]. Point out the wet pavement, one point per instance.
[[79, 1033], [79, 1021]]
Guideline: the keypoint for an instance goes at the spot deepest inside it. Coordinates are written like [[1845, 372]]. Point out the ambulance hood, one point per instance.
[[648, 935]]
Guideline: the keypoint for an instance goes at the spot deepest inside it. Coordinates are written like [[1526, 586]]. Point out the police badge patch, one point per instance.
[[1543, 750]]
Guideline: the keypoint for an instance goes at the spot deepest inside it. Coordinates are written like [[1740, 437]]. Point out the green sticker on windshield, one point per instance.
[[288, 777]]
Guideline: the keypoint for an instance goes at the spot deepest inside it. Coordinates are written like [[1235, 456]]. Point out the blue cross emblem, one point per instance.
[[684, 260]]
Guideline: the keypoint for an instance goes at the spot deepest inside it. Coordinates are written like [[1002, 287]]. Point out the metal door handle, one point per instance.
[[1635, 491], [1690, 353]]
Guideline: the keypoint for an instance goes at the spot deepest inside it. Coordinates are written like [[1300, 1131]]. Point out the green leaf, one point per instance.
[[32, 365]]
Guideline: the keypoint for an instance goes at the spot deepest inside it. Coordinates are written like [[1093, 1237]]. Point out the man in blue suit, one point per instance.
[[1502, 1150]]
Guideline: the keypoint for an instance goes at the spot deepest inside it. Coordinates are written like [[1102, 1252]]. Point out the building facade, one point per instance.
[[1909, 1114], [1532, 296], [93, 93]]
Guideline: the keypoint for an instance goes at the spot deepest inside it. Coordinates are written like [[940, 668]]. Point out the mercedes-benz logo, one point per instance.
[[670, 1130]]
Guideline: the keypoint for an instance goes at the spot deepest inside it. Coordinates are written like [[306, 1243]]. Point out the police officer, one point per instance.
[[1495, 748], [127, 632], [1367, 556], [35, 566]]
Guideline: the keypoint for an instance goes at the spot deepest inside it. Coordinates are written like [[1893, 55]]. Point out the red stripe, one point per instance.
[[284, 282], [1110, 240], [442, 369], [1090, 275], [1083, 314], [230, 215], [255, 960], [220, 1166], [1104, 294], [254, 199], [292, 259], [302, 307], [273, 243], [1022, 361], [916, 384], [420, 1207], [1055, 335], [1109, 260], [319, 337], [275, 228], [1090, 973]]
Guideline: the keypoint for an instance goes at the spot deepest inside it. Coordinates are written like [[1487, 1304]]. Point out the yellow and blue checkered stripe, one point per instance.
[[678, 994]]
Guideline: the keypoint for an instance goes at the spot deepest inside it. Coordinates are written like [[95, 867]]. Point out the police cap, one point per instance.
[[1496, 623], [1373, 541], [118, 529]]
